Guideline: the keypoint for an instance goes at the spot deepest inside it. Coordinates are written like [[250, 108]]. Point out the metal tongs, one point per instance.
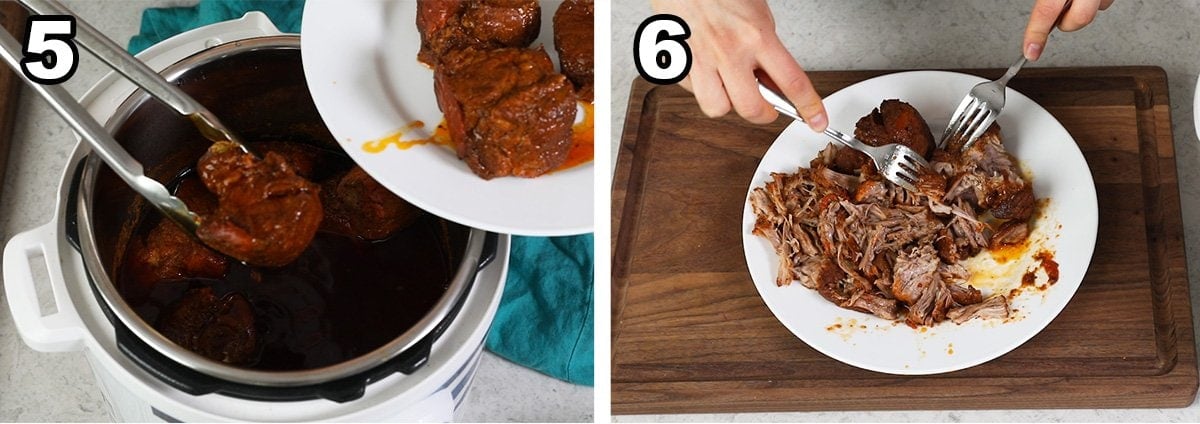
[[113, 154]]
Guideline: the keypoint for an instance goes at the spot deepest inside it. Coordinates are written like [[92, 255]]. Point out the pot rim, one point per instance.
[[457, 288]]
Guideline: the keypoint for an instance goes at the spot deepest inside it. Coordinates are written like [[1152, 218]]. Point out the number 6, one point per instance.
[[50, 56], [659, 51]]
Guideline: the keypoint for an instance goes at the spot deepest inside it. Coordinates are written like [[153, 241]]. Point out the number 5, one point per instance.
[[50, 55]]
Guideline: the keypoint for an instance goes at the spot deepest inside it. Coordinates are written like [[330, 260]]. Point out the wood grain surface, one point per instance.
[[12, 19], [691, 334]]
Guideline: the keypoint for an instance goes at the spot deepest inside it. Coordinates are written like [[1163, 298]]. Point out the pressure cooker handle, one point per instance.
[[488, 253], [61, 331]]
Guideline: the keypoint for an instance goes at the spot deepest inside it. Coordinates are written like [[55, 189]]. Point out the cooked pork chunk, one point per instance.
[[357, 205], [1011, 232], [447, 25], [507, 110], [266, 214], [994, 307], [573, 24], [218, 327], [892, 122]]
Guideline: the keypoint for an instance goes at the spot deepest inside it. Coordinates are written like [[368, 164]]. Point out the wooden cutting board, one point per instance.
[[691, 334]]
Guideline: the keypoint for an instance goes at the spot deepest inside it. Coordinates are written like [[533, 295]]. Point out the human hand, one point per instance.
[[730, 40], [1075, 14]]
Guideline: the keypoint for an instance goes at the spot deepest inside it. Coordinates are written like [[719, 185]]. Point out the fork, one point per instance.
[[896, 162], [978, 110]]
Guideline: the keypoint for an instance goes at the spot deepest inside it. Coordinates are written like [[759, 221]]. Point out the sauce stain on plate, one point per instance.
[[845, 328], [440, 137], [582, 139], [583, 148], [1011, 270]]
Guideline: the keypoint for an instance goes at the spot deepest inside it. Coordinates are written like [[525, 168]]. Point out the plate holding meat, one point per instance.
[[360, 61], [1065, 224]]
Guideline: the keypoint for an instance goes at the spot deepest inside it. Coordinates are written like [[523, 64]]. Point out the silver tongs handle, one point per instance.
[[121, 162], [136, 71]]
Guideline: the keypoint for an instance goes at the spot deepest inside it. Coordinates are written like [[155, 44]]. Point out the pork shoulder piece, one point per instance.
[[358, 206], [988, 176], [994, 307], [865, 301], [266, 214], [169, 253], [929, 287], [915, 274], [573, 33], [507, 111], [1010, 233], [447, 25], [218, 327], [893, 121], [1019, 205]]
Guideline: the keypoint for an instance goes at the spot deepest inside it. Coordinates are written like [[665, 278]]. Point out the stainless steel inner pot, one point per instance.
[[255, 99]]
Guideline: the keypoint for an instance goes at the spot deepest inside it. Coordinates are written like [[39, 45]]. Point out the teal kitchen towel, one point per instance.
[[161, 23], [545, 319]]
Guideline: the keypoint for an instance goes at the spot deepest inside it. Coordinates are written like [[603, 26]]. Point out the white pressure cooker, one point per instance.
[[423, 376]]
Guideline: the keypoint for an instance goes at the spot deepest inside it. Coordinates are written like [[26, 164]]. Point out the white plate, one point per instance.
[[360, 59], [1045, 150], [1196, 107]]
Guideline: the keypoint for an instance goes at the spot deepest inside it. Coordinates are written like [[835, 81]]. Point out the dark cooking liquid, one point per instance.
[[342, 298]]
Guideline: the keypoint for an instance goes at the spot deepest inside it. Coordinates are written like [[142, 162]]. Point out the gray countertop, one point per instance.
[[868, 34], [60, 387]]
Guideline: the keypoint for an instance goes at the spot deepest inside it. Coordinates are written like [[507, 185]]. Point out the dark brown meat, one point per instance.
[[872, 191], [169, 253], [166, 252], [931, 184], [507, 111], [357, 205], [1019, 205], [947, 248], [893, 121], [964, 295], [307, 161], [438, 24], [1010, 233], [220, 328], [869, 302], [829, 282], [266, 214], [447, 25], [573, 34], [896, 122]]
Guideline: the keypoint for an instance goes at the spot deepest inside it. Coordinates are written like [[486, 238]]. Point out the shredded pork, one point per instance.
[[870, 246]]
